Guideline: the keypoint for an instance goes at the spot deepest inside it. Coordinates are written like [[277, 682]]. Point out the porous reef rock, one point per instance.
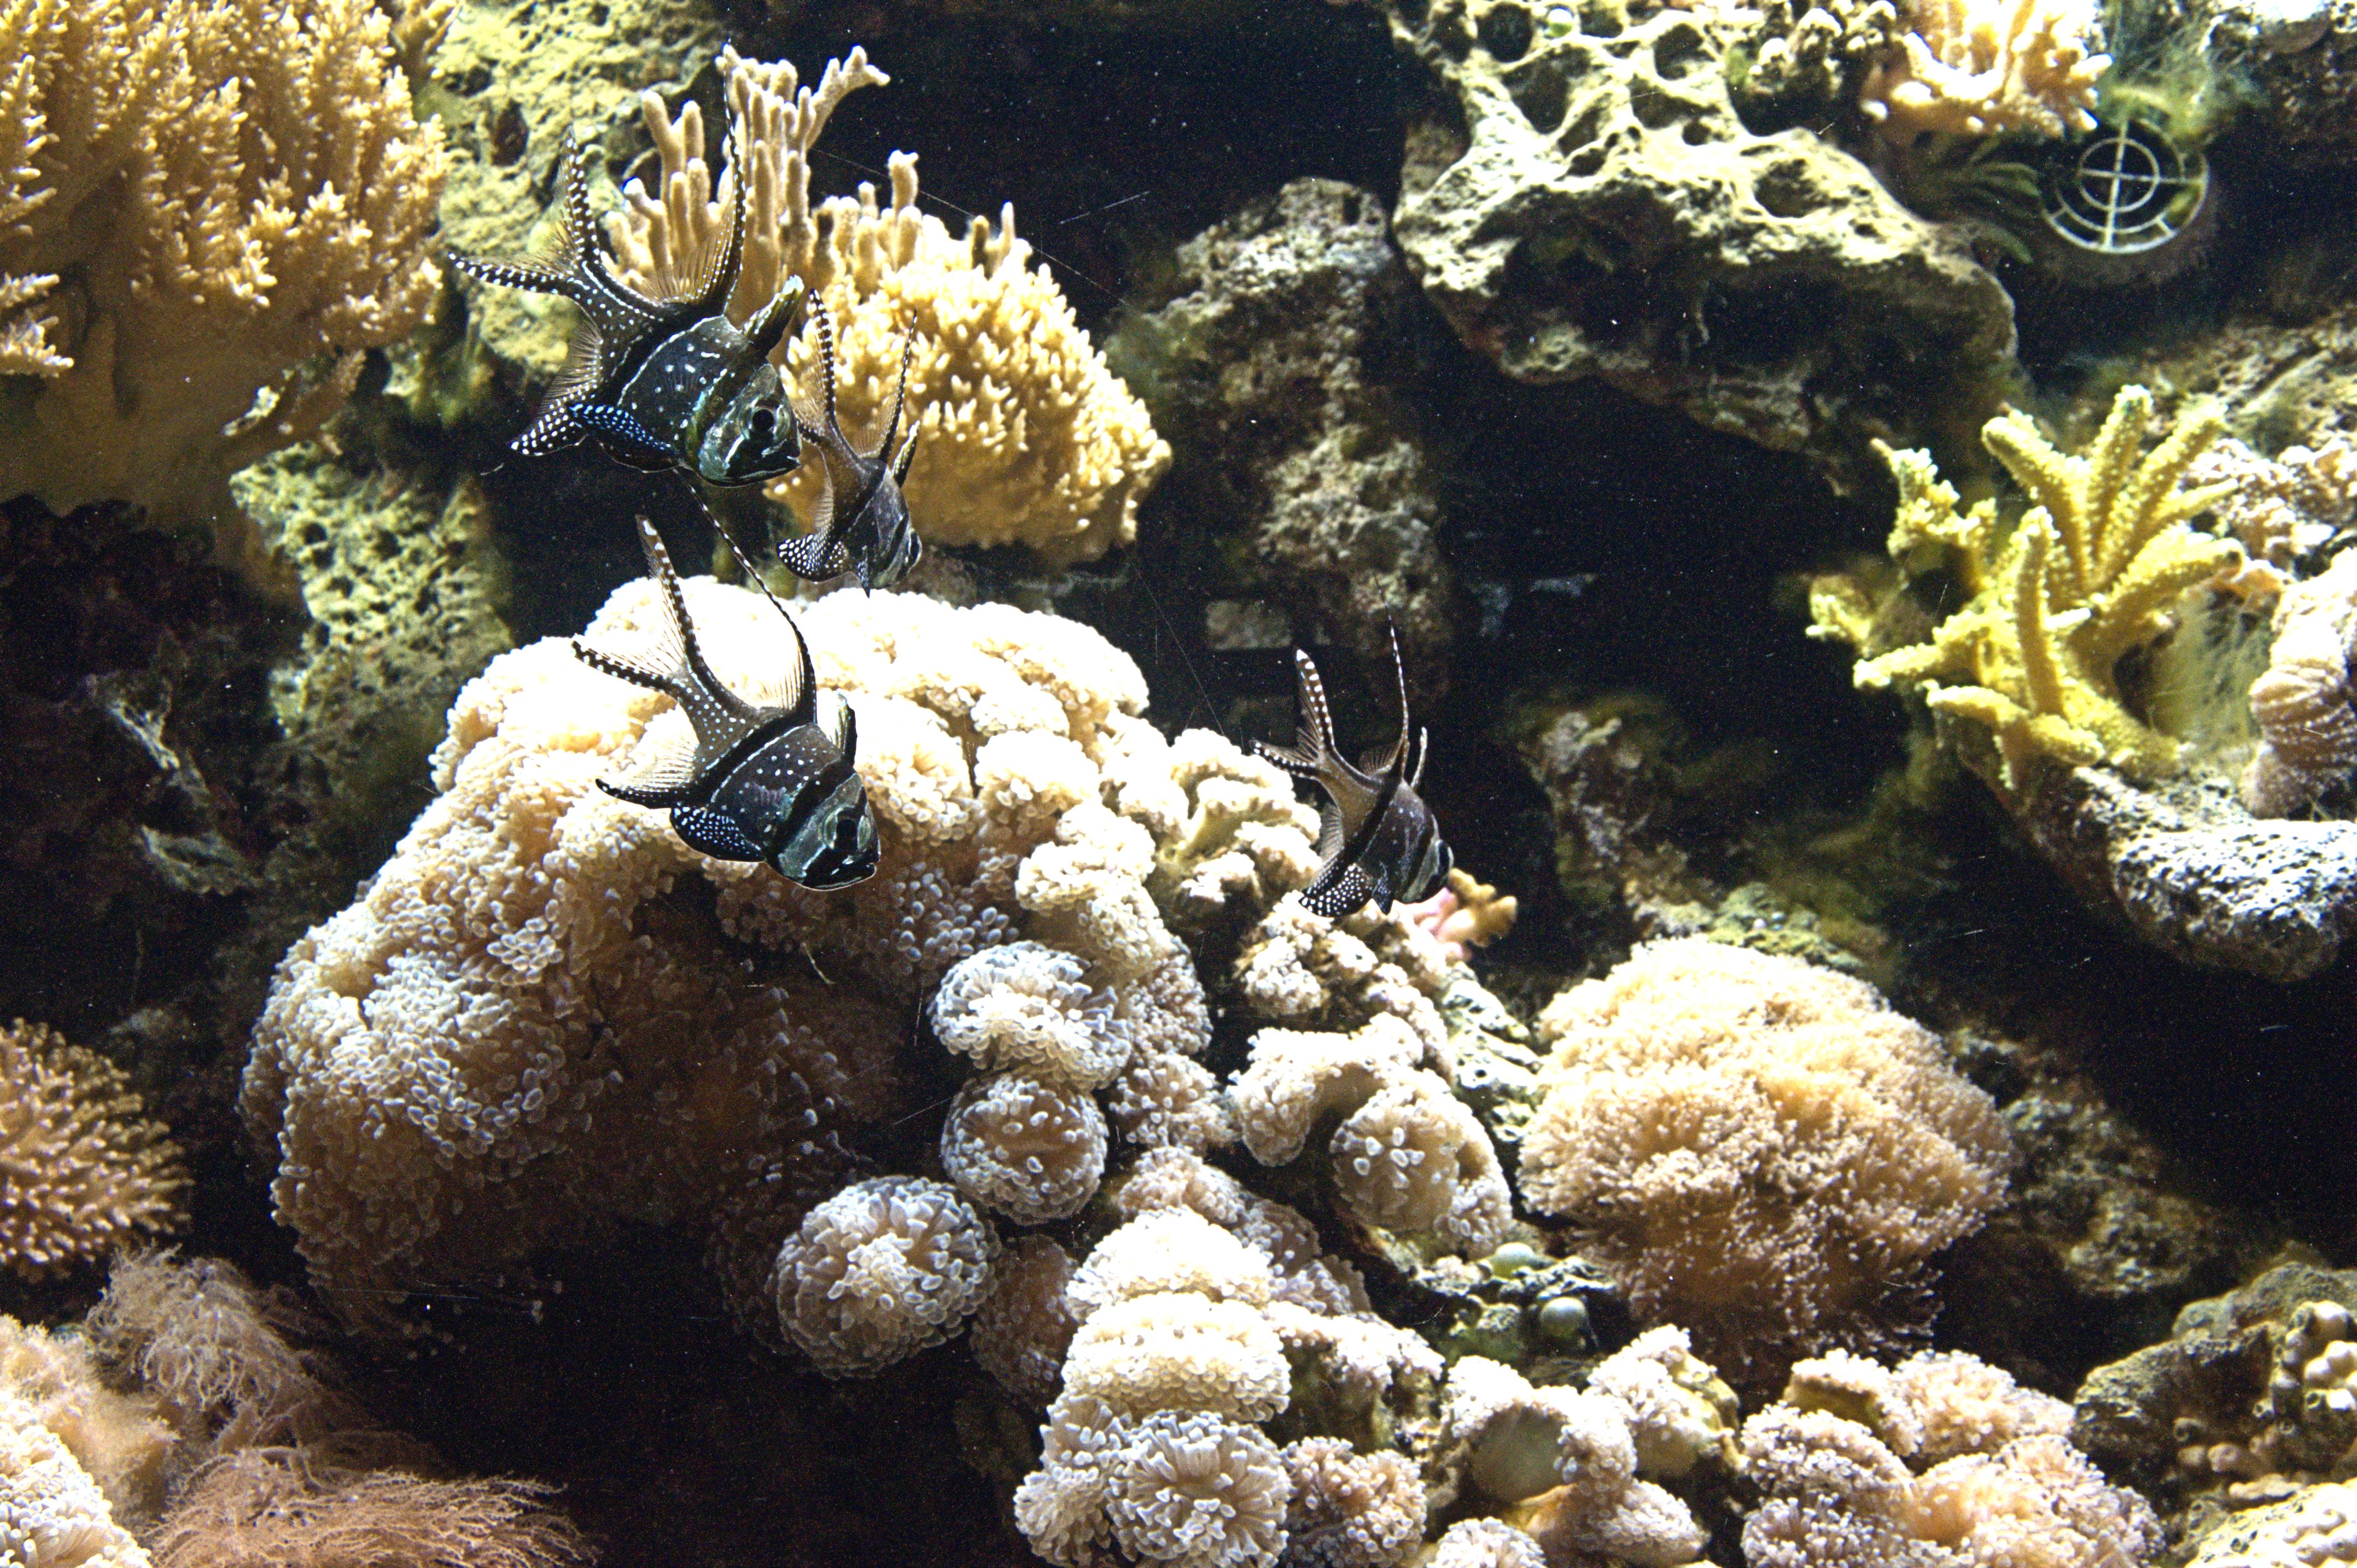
[[2254, 1392], [1589, 203], [547, 1014], [2299, 59], [1279, 362]]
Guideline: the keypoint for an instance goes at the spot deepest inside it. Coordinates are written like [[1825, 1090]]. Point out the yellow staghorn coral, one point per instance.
[[80, 1172], [1981, 67], [207, 209], [2090, 572], [1023, 435]]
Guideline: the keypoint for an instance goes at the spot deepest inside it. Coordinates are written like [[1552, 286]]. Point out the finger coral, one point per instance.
[[212, 209], [2307, 728], [1982, 68], [882, 1270], [2089, 573], [1690, 1099], [1023, 436], [80, 1172], [529, 1020]]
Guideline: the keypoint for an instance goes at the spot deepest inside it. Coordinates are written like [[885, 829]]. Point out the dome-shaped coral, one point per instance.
[[1698, 1097], [80, 1172], [1029, 1150], [1198, 1491], [882, 1270], [1030, 1007], [1021, 1333], [1178, 1350]]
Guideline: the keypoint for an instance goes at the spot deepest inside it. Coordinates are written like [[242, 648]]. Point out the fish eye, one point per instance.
[[765, 421]]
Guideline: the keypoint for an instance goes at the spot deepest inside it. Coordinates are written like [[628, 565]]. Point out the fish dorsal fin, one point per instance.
[[797, 692], [721, 719], [816, 414], [717, 278], [1397, 763], [620, 313]]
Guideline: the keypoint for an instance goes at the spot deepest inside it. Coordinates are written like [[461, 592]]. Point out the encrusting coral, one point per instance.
[[2090, 572], [1760, 1149], [1981, 67], [210, 209], [2307, 728], [81, 1172], [1850, 1481], [1023, 436]]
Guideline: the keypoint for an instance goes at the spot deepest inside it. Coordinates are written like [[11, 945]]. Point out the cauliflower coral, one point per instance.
[[1760, 1149]]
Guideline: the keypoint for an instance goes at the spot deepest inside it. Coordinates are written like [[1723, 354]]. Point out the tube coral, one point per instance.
[[80, 1172], [204, 199]]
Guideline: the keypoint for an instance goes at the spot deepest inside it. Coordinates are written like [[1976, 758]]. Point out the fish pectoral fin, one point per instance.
[[1339, 890], [708, 832], [815, 557], [1331, 834]]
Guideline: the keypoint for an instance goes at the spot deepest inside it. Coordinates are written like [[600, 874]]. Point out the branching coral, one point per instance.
[[2090, 573], [1760, 1149], [1465, 914], [200, 199], [80, 1172], [1981, 67], [882, 1270], [2307, 728], [1023, 435], [2001, 1489]]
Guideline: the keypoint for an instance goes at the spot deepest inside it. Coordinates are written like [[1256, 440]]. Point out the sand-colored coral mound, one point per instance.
[[1761, 1149], [547, 1014], [208, 209], [1023, 435], [80, 1171]]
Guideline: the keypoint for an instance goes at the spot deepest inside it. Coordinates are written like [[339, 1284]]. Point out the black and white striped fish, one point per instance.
[[661, 381], [767, 783], [861, 521], [1376, 838]]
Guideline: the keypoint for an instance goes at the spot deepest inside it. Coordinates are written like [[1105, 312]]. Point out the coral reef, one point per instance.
[[2089, 573], [1691, 1096], [1852, 1482], [206, 200], [1983, 67], [2308, 730], [1598, 209], [880, 1270], [1210, 1311], [1811, 53], [81, 1172], [1022, 435], [1275, 367]]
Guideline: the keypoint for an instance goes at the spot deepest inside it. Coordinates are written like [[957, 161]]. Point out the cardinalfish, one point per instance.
[[661, 381], [769, 782], [861, 521], [1376, 838]]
